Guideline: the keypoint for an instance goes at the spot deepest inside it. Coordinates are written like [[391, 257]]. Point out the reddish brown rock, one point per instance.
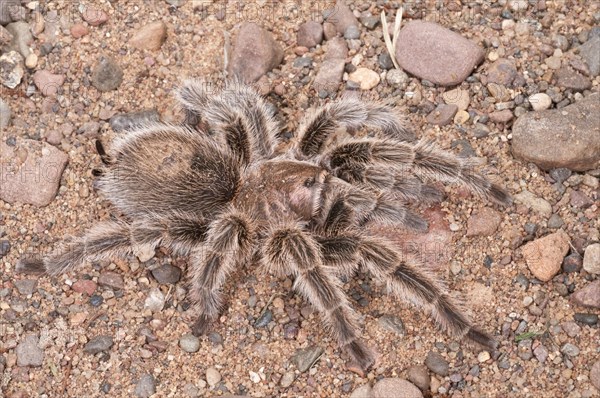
[[47, 82], [30, 172], [503, 116], [569, 78], [94, 16], [502, 72], [432, 52], [588, 296], [150, 36], [566, 137], [255, 53], [310, 34], [442, 115], [544, 256], [483, 222], [79, 30], [84, 286]]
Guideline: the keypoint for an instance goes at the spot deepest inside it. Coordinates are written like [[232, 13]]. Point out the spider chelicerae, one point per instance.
[[216, 189]]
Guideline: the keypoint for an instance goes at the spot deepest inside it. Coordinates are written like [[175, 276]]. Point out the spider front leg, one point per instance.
[[229, 241], [289, 249]]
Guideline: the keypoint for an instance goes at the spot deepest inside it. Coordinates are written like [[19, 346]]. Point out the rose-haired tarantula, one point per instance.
[[222, 195]]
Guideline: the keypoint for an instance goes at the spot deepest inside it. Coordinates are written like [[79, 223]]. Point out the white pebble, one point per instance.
[[483, 356], [540, 101]]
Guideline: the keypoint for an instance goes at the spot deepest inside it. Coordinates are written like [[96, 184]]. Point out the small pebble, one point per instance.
[[189, 343], [437, 364], [146, 386], [213, 377]]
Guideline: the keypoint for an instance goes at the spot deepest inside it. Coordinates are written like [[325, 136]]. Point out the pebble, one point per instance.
[[254, 53], [483, 222], [4, 247], [305, 358], [94, 16], [502, 72], [167, 273], [129, 121], [503, 116], [362, 392], [483, 356], [570, 79], [574, 144], [5, 36], [591, 259], [572, 329], [589, 52], [555, 221], [107, 75], [25, 286], [394, 387], [48, 83], [524, 349], [352, 33], [189, 343], [397, 77], [28, 352], [588, 296], [458, 97], [570, 350], [7, 8], [84, 286], [560, 174], [437, 364], [553, 62], [590, 181], [544, 256], [98, 344], [213, 377], [385, 61], [5, 114], [580, 200], [572, 263], [146, 386], [155, 301], [44, 165], [595, 374], [531, 201], [11, 69], [264, 319], [367, 78], [419, 376], [22, 37], [150, 37], [442, 115], [331, 71], [287, 379], [111, 280], [341, 17], [587, 319], [461, 117], [540, 101], [541, 353], [391, 323], [310, 34], [79, 30], [31, 61]]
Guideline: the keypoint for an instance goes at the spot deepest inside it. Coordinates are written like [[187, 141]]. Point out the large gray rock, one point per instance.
[[255, 53], [590, 52], [567, 137], [432, 52], [30, 172]]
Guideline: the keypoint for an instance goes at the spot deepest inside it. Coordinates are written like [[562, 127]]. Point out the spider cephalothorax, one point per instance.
[[223, 196]]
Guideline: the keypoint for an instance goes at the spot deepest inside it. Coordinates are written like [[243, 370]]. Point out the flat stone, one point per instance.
[[310, 34], [503, 116], [588, 296], [155, 301], [541, 353], [439, 55], [111, 280], [591, 259], [544, 256], [145, 387], [566, 137], [84, 286], [502, 72], [394, 387], [570, 350], [107, 75], [79, 30], [30, 172], [419, 376], [305, 358], [367, 78], [255, 53], [569, 78], [94, 16], [540, 101], [442, 115], [47, 82], [28, 352], [589, 52], [437, 364], [11, 69], [391, 323], [25, 286], [579, 199], [98, 344], [167, 273], [329, 75], [340, 16], [458, 97], [150, 37], [483, 222]]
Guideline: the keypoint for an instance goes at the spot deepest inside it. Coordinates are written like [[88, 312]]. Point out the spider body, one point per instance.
[[226, 197]]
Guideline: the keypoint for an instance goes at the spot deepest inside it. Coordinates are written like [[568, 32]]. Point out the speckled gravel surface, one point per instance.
[[120, 328]]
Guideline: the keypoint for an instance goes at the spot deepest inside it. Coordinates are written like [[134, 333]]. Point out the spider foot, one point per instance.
[[201, 326], [362, 358]]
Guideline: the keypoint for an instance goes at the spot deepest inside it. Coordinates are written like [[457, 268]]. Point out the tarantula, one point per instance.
[[215, 189]]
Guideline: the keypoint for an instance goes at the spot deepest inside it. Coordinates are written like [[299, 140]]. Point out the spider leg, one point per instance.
[[290, 249], [104, 240], [229, 240], [423, 159], [404, 188], [350, 113], [238, 113]]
